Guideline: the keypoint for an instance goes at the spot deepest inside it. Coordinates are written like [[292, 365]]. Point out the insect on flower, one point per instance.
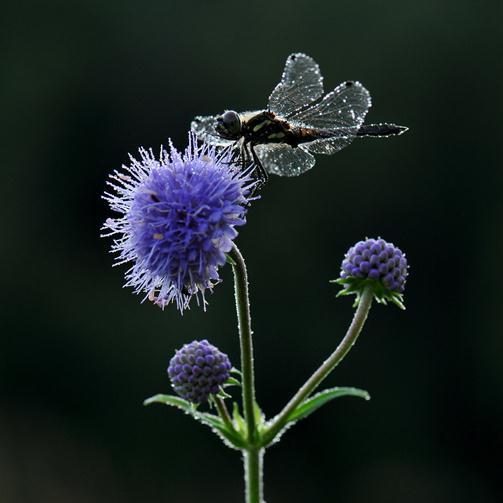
[[177, 219], [298, 122]]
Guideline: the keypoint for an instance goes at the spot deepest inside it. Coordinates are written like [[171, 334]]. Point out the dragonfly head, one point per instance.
[[229, 125]]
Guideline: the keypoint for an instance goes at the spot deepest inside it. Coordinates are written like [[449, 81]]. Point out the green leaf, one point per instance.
[[172, 400], [189, 408], [315, 402], [239, 422], [208, 419], [230, 437], [229, 259], [259, 415], [223, 394], [231, 381]]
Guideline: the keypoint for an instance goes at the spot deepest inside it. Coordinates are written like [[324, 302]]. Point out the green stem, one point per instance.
[[245, 339], [253, 465], [252, 455], [223, 412], [361, 313]]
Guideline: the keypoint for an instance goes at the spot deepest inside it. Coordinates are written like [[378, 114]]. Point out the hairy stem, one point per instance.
[[253, 465], [252, 455], [245, 338], [223, 412], [327, 366]]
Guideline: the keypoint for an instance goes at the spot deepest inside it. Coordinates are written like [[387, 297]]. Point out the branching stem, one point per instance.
[[326, 367]]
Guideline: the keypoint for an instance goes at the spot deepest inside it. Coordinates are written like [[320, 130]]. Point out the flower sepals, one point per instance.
[[355, 286], [231, 381]]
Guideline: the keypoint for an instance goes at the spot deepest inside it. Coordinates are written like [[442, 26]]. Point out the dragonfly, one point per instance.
[[300, 120]]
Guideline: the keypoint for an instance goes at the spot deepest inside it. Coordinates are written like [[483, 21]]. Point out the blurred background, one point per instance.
[[85, 82]]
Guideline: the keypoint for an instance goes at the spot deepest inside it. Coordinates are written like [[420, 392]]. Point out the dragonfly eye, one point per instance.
[[229, 125]]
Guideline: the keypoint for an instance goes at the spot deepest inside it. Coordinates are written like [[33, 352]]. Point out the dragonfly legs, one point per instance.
[[245, 155], [259, 173]]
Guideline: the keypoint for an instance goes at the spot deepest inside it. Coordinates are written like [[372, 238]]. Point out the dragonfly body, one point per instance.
[[265, 127], [260, 128], [300, 120]]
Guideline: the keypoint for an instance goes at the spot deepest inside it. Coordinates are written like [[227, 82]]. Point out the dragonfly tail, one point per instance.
[[381, 130]]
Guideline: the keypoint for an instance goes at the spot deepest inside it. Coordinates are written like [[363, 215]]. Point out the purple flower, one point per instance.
[[198, 370], [377, 263], [178, 219]]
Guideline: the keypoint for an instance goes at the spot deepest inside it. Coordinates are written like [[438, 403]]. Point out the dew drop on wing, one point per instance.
[[283, 160], [345, 106], [301, 84], [204, 128]]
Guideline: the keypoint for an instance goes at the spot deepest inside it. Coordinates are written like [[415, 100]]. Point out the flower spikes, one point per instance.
[[177, 220]]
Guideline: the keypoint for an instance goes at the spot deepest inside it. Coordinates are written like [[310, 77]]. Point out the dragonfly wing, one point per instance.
[[283, 160], [344, 107], [204, 128], [328, 145], [300, 85], [340, 138]]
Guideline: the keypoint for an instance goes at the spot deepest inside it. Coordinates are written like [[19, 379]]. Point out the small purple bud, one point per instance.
[[378, 264], [204, 377]]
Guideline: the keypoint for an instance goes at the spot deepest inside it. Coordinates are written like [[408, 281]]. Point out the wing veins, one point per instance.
[[301, 83]]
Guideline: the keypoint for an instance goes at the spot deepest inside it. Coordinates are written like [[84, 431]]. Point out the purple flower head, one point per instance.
[[377, 263], [198, 370], [177, 220]]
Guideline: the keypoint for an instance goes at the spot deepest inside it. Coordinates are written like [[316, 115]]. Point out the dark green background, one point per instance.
[[84, 83]]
